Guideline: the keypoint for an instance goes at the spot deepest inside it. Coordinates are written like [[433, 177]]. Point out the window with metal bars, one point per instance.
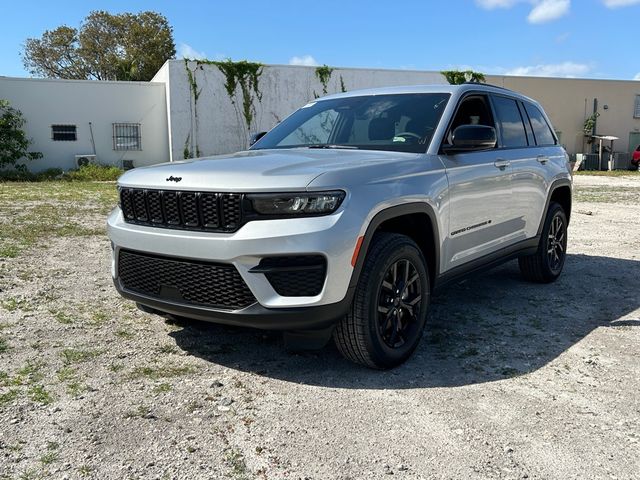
[[636, 110], [64, 133], [127, 136]]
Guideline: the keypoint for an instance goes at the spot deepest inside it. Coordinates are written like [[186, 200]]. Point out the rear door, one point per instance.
[[536, 168], [480, 213], [527, 164]]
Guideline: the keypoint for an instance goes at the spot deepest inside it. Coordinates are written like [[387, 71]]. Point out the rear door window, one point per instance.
[[510, 122], [541, 129]]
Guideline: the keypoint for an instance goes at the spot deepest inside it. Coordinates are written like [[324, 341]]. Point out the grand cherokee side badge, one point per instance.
[[174, 179]]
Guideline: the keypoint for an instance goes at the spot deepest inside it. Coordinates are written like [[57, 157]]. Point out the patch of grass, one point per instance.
[[77, 355], [236, 462], [93, 172], [4, 346], [12, 304], [141, 411], [167, 349], [608, 194], [158, 372], [37, 211], [125, 334], [162, 388], [99, 317], [39, 394], [116, 367], [85, 470], [29, 374], [49, 457], [613, 173], [9, 396], [61, 317]]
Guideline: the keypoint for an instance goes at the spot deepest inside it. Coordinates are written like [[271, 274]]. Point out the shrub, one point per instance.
[[21, 174], [14, 144], [93, 172]]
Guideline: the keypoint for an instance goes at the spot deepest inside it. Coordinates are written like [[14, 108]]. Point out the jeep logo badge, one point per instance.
[[174, 179]]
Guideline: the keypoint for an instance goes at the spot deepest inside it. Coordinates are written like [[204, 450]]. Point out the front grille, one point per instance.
[[184, 281], [214, 212], [295, 276]]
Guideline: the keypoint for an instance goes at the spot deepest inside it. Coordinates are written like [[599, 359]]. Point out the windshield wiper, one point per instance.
[[329, 145]]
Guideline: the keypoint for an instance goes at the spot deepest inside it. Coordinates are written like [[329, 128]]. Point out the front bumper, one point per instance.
[[330, 236]]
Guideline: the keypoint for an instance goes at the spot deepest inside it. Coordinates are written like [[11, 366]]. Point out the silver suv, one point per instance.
[[344, 218]]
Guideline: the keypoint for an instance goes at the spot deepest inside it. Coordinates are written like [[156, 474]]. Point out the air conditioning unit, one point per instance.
[[82, 160]]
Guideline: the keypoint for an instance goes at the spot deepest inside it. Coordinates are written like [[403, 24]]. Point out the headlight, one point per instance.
[[315, 203]]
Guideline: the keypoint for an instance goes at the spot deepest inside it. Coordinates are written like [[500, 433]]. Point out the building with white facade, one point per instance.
[[185, 110]]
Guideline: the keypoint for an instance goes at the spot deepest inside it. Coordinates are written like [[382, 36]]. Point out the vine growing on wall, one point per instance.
[[246, 75], [590, 123], [343, 88], [243, 76], [324, 75]]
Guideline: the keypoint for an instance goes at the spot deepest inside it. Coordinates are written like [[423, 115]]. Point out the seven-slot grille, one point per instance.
[[215, 212], [207, 284]]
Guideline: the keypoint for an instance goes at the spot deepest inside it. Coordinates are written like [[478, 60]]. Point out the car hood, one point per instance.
[[255, 170]]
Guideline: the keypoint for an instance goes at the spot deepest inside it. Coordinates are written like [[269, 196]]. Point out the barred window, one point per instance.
[[126, 136], [63, 133], [636, 110]]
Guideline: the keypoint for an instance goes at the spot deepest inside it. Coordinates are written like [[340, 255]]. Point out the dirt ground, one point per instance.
[[511, 380]]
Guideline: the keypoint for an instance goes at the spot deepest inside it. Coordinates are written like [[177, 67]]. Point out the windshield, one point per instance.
[[400, 122]]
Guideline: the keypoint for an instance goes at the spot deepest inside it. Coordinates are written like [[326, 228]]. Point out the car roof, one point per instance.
[[456, 90]]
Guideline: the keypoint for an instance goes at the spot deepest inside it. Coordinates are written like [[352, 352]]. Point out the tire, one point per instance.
[[545, 266], [366, 334]]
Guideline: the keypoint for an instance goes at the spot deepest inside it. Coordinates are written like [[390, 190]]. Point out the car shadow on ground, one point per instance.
[[486, 328]]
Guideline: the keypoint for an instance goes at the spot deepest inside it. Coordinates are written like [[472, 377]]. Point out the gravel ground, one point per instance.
[[511, 380]]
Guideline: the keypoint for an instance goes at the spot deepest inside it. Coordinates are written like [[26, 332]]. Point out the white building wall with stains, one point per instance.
[[81, 103], [214, 125]]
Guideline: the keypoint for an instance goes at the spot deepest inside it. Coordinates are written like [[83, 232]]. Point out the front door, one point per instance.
[[479, 193]]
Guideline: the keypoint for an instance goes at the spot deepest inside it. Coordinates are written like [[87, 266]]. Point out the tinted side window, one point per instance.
[[541, 129], [510, 121]]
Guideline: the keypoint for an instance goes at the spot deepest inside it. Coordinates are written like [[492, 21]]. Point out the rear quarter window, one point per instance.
[[541, 129]]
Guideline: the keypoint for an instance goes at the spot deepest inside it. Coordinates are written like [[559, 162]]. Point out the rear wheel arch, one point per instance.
[[559, 192]]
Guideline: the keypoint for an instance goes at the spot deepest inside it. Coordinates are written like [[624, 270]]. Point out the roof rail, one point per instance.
[[485, 84]]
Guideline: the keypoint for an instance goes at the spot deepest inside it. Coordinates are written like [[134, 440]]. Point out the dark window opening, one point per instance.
[[127, 136], [64, 133]]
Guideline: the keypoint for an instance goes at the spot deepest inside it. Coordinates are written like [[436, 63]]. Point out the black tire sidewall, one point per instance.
[[554, 210], [383, 355]]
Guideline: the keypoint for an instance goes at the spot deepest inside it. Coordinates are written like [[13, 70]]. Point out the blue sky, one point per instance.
[[579, 38]]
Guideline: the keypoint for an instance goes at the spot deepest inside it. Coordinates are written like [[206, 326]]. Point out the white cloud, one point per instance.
[[541, 11], [187, 51], [637, 77], [548, 10], [620, 3], [565, 69], [305, 60]]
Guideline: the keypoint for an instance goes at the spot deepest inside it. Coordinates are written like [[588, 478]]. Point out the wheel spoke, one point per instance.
[[383, 309], [395, 273], [387, 285], [406, 271], [412, 280]]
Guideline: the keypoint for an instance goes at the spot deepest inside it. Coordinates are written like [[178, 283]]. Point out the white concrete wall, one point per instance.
[[213, 126], [45, 102]]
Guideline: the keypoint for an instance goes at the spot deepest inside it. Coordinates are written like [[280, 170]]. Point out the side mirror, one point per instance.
[[255, 137], [469, 138]]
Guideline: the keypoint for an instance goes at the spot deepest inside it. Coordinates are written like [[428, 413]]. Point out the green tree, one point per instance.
[[14, 144], [123, 46], [458, 77]]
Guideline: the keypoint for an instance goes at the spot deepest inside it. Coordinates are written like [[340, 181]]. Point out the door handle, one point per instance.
[[501, 164], [543, 159]]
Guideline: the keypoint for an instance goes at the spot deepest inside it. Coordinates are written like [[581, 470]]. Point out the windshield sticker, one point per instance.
[[310, 104]]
